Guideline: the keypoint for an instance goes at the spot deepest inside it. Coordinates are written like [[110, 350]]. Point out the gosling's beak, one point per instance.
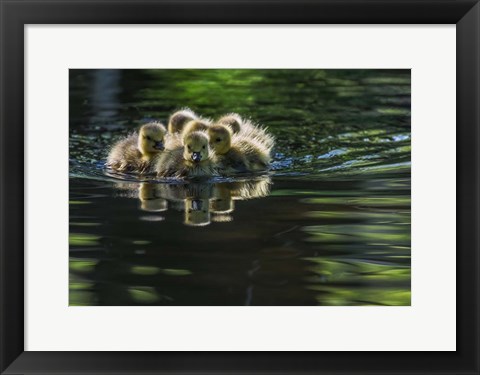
[[159, 146], [196, 157]]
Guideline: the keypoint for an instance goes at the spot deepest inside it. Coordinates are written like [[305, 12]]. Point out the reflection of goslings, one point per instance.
[[126, 189], [201, 202], [178, 193], [174, 193], [149, 199], [222, 218], [250, 189], [197, 212], [221, 201]]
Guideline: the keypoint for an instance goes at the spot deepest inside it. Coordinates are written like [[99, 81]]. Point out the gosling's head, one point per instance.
[[178, 120], [195, 126], [220, 138], [151, 138], [232, 120], [196, 148]]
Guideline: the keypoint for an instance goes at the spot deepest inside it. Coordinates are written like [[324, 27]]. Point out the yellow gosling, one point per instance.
[[230, 159], [136, 152], [194, 159], [237, 153]]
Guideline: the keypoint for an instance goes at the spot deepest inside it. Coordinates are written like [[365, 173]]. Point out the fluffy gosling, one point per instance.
[[136, 152], [194, 159], [237, 153]]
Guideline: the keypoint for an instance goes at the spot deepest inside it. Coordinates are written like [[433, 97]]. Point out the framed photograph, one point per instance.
[[240, 187]]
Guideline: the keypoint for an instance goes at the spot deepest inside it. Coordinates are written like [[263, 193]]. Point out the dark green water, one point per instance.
[[329, 225]]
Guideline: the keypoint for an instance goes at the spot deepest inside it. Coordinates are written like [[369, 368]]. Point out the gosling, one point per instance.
[[194, 159], [237, 153], [136, 152]]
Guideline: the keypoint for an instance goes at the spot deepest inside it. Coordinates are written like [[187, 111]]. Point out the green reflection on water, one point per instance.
[[143, 294], [83, 239], [358, 233], [362, 296], [172, 272], [82, 265], [149, 270]]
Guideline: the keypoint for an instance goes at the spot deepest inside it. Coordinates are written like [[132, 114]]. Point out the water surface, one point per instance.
[[328, 225]]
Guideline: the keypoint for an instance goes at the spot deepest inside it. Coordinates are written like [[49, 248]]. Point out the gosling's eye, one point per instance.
[[203, 147], [217, 140], [189, 148]]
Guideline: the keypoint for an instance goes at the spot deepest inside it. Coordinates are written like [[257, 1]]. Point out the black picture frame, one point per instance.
[[17, 13]]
